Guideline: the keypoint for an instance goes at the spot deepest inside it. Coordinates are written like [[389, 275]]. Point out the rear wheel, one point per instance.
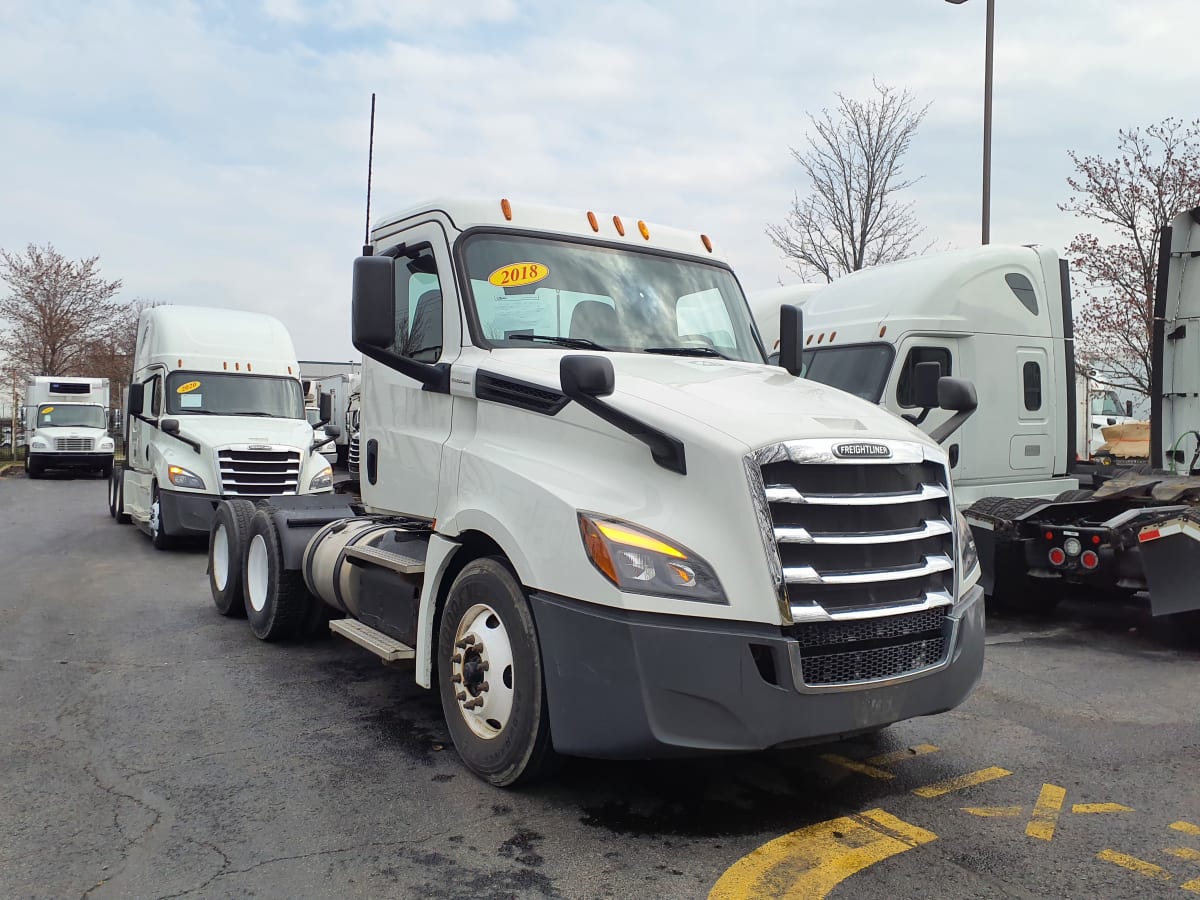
[[226, 550], [490, 676], [278, 605]]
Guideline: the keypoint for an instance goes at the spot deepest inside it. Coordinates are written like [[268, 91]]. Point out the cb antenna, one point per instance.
[[370, 160]]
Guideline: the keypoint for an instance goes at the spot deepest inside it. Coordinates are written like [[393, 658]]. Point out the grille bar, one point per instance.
[[782, 493], [809, 575], [257, 473], [814, 613], [74, 445], [797, 535]]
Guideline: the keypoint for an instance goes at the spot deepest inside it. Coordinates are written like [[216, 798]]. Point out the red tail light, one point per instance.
[[1089, 559], [1058, 557]]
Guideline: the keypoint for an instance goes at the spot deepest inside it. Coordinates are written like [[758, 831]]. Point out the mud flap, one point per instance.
[[1171, 561]]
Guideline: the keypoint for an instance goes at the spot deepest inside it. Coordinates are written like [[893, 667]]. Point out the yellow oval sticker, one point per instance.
[[47, 409], [517, 274], [187, 388]]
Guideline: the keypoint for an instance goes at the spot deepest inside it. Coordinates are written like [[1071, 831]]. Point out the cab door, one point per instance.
[[404, 425]]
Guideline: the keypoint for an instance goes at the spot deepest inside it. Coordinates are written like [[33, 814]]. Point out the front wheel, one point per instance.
[[32, 469], [158, 535], [490, 676]]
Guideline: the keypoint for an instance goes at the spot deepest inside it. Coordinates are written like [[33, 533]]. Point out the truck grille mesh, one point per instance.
[[872, 664], [352, 456], [74, 445], [259, 473]]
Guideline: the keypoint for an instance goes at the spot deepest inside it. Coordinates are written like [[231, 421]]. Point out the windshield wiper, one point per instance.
[[250, 412], [576, 343], [686, 351]]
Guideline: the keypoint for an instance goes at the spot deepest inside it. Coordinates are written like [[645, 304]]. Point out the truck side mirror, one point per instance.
[[169, 426], [926, 378], [589, 376], [136, 398], [373, 302], [957, 395], [332, 431], [325, 407], [791, 339]]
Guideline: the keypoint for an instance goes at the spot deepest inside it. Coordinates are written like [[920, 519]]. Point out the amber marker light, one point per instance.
[[706, 242], [643, 229], [620, 227], [506, 208], [883, 331], [592, 221], [597, 549]]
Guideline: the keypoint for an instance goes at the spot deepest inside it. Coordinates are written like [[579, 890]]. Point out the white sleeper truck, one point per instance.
[[66, 425], [597, 522], [215, 409]]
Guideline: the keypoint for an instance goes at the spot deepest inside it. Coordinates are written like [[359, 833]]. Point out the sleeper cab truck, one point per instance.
[[215, 409], [595, 519], [66, 424]]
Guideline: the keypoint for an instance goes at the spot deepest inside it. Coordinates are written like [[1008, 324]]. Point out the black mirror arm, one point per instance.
[[319, 444], [195, 445], [918, 419], [433, 376], [666, 450], [951, 425]]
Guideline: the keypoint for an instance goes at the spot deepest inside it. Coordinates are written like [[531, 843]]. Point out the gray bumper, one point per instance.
[[627, 686], [71, 460], [187, 514]]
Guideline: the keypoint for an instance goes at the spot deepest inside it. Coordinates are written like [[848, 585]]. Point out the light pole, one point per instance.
[[987, 117]]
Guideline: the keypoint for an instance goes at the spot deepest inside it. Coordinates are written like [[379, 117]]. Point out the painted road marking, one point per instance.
[[1184, 853], [1046, 811], [871, 766], [1083, 809], [1133, 864], [811, 862], [962, 782], [1186, 827], [994, 812]]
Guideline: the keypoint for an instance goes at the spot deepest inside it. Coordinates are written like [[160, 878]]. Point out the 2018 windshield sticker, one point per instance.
[[187, 388], [517, 274]]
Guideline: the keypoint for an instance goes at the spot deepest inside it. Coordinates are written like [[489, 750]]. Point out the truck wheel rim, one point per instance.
[[256, 573], [481, 671], [220, 560], [155, 521]]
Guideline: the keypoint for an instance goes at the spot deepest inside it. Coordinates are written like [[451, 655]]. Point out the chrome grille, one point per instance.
[[258, 473], [352, 456], [820, 636], [74, 445]]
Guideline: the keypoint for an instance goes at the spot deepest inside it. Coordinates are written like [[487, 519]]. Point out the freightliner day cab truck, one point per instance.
[[215, 409], [598, 522], [66, 425], [1001, 317]]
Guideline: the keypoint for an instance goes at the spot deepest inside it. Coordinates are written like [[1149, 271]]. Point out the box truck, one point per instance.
[[66, 425]]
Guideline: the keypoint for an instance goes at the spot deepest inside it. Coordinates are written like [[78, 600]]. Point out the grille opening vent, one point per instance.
[[873, 664], [74, 445], [518, 393], [259, 473], [764, 661]]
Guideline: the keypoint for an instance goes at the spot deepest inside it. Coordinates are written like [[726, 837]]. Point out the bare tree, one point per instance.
[[57, 312], [851, 217], [1155, 175]]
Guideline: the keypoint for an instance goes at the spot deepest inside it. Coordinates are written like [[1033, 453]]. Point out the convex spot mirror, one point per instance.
[[169, 426], [332, 431], [590, 376]]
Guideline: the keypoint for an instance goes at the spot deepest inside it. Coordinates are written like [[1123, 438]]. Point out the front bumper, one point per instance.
[[186, 514], [631, 686], [56, 460]]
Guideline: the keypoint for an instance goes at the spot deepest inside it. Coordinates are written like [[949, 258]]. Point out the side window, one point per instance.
[[704, 316], [1031, 376], [418, 308], [1023, 288], [152, 397], [906, 385]]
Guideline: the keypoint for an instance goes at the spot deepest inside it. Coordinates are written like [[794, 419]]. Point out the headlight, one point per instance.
[[642, 562], [106, 444], [181, 477], [38, 444], [968, 554], [322, 480]]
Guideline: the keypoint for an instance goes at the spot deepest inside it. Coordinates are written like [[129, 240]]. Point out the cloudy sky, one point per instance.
[[215, 152]]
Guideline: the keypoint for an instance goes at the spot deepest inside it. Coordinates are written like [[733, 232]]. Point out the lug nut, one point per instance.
[[465, 642], [456, 679], [483, 687], [456, 658], [484, 666], [460, 696]]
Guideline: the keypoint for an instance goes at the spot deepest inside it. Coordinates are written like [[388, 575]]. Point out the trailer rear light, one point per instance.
[[1151, 534], [1049, 535], [1072, 546], [1089, 559], [1057, 556], [1096, 539]]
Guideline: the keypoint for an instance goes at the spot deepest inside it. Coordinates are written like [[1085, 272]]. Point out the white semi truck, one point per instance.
[[596, 520], [66, 425], [1001, 317], [215, 409], [340, 388]]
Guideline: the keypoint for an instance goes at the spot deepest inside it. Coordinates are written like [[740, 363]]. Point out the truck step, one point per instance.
[[386, 648], [405, 565]]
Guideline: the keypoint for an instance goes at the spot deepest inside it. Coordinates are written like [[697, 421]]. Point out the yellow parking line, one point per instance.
[[855, 766], [1184, 853], [811, 862], [1185, 827], [1045, 812], [994, 812], [1193, 886], [1083, 808], [1133, 864], [887, 759], [962, 782]]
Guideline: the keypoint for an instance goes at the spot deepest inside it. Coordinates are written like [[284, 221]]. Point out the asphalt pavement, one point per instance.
[[151, 748]]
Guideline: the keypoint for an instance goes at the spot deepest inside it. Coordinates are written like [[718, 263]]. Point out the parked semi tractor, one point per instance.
[[66, 425], [1001, 317], [340, 388], [215, 409], [595, 519]]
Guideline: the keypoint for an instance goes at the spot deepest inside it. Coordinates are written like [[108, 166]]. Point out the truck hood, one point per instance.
[[755, 404], [218, 431]]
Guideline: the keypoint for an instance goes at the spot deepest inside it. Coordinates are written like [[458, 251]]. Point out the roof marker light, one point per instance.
[[179, 363], [289, 370], [706, 242], [820, 337], [506, 208], [225, 366], [592, 221], [620, 227], [809, 341], [237, 367], [643, 229], [248, 367], [832, 335], [882, 330]]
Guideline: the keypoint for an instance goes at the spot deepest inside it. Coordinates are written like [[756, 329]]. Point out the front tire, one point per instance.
[[490, 676], [226, 552], [278, 605], [32, 469], [158, 535]]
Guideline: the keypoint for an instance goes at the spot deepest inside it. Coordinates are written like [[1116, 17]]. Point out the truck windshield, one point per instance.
[[1107, 404], [225, 394], [313, 414], [68, 414], [860, 369], [533, 291]]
